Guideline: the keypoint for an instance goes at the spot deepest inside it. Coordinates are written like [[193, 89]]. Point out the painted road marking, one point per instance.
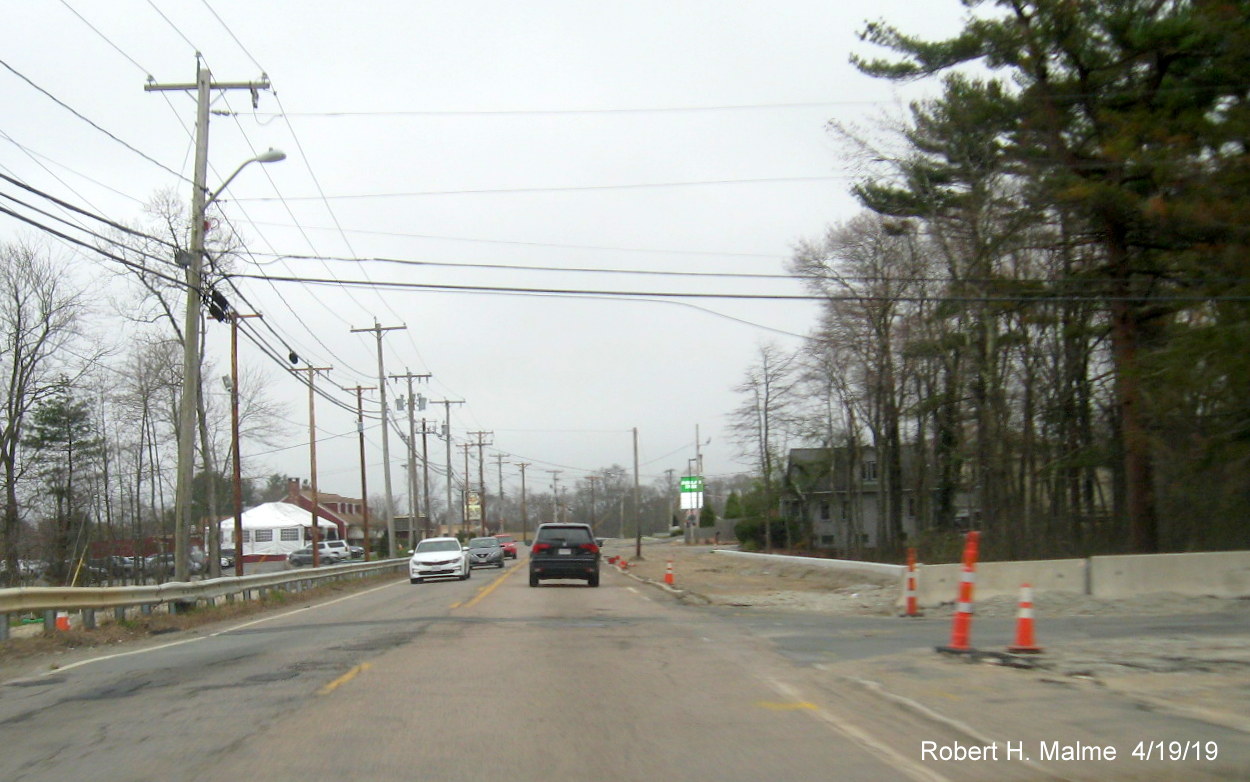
[[795, 706], [344, 679], [489, 588]]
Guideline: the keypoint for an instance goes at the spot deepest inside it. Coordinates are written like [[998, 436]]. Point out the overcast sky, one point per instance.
[[673, 136]]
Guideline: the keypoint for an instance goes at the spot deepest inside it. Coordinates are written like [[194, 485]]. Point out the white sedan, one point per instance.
[[439, 557]]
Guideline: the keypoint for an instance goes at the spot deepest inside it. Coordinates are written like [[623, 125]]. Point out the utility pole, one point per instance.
[[592, 480], [414, 505], [524, 514], [236, 468], [425, 472], [188, 403], [481, 473], [364, 483], [499, 457], [668, 474], [555, 495], [386, 442], [464, 527], [312, 455], [447, 403], [637, 508]]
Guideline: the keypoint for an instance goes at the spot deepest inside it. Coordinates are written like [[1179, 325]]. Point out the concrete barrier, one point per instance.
[[1211, 573], [939, 584], [848, 565]]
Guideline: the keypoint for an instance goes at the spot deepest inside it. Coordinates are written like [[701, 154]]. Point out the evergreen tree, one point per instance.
[[66, 447]]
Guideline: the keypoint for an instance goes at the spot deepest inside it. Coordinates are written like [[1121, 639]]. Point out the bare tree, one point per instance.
[[759, 424], [40, 313]]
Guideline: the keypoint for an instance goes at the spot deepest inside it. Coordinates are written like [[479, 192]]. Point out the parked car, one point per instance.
[[338, 547], [162, 565], [565, 550], [327, 554], [439, 557], [509, 545], [227, 557], [358, 552], [485, 552]]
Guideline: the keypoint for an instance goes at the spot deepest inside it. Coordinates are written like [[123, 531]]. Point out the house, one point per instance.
[[839, 496], [346, 513]]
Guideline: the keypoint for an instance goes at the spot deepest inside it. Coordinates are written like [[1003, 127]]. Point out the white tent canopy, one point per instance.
[[274, 529]]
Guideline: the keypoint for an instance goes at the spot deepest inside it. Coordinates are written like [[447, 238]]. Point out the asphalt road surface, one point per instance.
[[489, 678]]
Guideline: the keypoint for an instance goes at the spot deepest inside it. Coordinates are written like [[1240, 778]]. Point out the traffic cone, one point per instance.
[[1024, 624], [961, 626], [668, 573], [910, 595], [62, 620]]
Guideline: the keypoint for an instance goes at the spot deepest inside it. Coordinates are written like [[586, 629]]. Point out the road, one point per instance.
[[490, 678]]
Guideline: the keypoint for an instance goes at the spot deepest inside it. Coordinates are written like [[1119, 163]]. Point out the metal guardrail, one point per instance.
[[91, 599]]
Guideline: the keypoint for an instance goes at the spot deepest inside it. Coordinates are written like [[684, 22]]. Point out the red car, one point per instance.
[[509, 545]]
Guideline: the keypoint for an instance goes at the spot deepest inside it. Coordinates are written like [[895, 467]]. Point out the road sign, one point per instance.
[[692, 492]]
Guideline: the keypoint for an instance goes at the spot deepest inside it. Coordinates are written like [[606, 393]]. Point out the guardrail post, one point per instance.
[[4, 627], [49, 621], [88, 618], [146, 609], [119, 613]]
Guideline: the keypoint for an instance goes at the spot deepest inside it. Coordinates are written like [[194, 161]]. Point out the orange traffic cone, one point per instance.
[[668, 573], [62, 620], [961, 626], [1024, 624]]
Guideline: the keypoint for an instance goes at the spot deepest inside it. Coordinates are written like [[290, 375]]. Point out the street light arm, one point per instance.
[[270, 156]]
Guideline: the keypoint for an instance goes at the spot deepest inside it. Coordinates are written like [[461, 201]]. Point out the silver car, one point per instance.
[[486, 552]]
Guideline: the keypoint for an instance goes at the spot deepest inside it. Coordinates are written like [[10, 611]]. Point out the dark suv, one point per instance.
[[564, 551]]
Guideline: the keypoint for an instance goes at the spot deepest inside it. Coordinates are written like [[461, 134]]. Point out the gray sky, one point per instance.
[[671, 136]]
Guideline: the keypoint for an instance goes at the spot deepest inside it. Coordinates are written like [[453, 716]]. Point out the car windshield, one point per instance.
[[483, 543], [437, 545]]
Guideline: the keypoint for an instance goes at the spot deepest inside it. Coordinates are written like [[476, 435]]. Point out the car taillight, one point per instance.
[[540, 547], [592, 548]]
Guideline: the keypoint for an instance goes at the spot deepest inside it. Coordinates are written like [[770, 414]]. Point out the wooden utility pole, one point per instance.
[[189, 402], [414, 504], [524, 513], [364, 482], [499, 457], [464, 527], [425, 476], [312, 455], [447, 403], [592, 480], [236, 468], [481, 473], [637, 508], [555, 495], [378, 330]]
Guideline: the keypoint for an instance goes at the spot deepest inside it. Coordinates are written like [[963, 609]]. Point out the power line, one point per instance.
[[91, 122], [1040, 297], [560, 189]]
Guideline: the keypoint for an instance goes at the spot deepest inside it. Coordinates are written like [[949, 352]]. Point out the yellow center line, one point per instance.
[[489, 588], [795, 706], [344, 679]]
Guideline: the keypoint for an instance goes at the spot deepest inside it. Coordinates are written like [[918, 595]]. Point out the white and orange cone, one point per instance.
[[1025, 643]]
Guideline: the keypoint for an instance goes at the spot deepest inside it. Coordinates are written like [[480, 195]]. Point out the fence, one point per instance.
[[88, 600]]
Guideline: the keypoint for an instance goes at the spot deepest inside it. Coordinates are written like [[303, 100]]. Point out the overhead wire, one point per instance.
[[91, 122]]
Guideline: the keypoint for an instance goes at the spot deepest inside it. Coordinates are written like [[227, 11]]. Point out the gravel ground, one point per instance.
[[1206, 676]]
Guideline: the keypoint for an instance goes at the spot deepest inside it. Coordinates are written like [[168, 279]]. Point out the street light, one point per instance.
[[189, 403]]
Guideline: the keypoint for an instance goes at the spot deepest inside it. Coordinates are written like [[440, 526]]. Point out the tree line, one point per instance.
[[1042, 310]]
